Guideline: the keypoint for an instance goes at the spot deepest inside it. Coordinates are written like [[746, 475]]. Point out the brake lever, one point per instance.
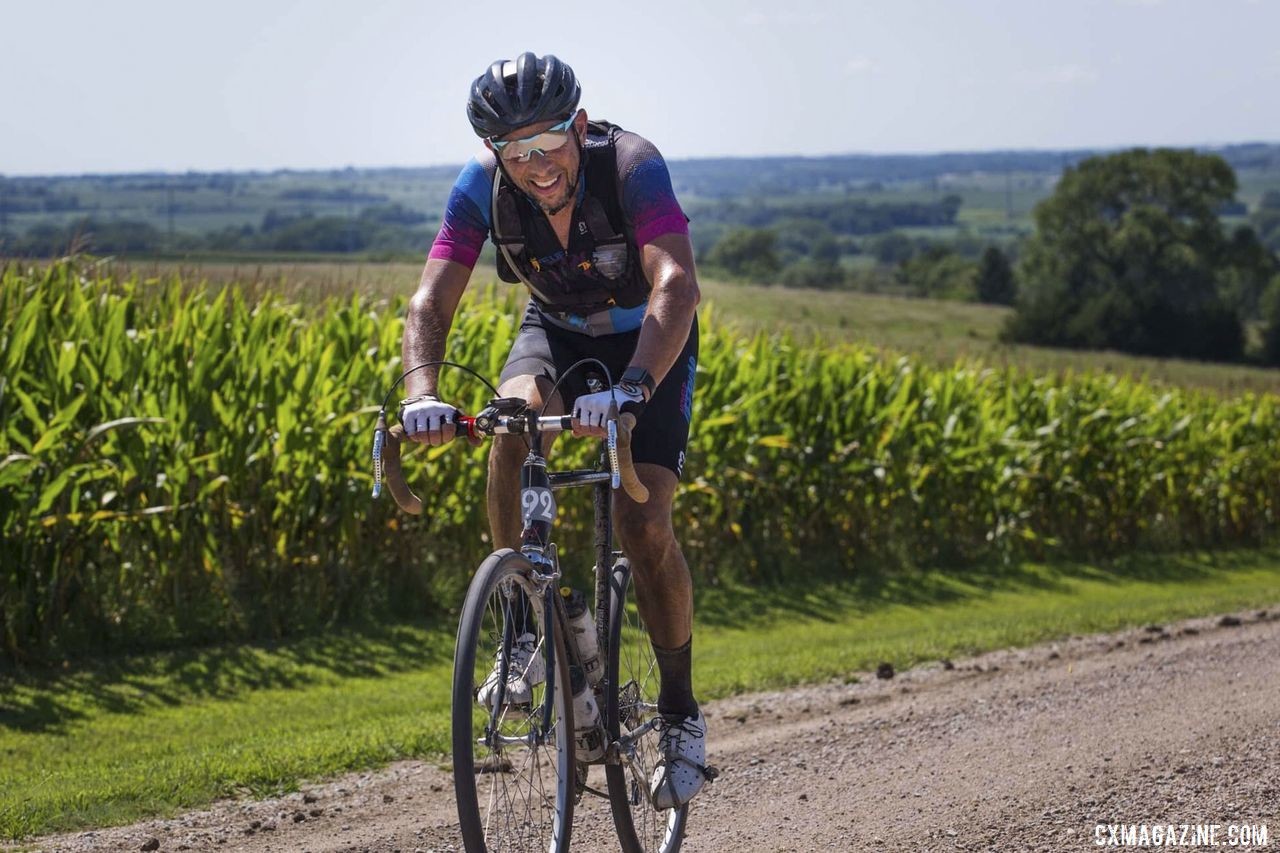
[[379, 441], [611, 445]]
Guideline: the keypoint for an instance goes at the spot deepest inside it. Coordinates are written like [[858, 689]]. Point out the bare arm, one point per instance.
[[668, 264], [427, 323]]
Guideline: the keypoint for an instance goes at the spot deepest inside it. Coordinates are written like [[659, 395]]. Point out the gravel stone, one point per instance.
[[1010, 750]]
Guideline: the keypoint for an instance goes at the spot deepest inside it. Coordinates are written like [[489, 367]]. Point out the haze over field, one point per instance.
[[144, 85]]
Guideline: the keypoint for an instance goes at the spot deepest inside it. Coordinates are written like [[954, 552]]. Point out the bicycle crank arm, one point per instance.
[[625, 745]]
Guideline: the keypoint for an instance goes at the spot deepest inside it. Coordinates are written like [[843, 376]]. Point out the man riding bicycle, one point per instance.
[[583, 214]]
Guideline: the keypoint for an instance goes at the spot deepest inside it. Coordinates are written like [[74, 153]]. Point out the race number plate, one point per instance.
[[537, 505]]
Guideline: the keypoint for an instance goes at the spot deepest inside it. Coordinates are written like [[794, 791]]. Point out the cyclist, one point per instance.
[[583, 214]]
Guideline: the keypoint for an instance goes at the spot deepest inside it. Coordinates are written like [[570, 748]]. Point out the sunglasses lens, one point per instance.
[[521, 149]]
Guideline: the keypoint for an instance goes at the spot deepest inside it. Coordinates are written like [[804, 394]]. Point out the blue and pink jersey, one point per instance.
[[647, 199]]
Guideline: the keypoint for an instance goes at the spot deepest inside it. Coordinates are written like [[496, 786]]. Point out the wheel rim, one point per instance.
[[522, 789], [651, 830]]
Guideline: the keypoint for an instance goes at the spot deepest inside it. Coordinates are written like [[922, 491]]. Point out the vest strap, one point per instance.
[[609, 275], [510, 246]]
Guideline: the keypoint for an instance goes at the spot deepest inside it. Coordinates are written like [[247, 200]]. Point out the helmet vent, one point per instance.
[[515, 93]]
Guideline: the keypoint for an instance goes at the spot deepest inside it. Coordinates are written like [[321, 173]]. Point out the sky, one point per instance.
[[140, 85]]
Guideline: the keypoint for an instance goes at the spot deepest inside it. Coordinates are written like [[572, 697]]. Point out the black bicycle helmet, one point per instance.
[[520, 92]]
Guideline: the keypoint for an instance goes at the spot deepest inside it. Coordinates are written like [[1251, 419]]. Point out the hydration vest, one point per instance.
[[601, 268]]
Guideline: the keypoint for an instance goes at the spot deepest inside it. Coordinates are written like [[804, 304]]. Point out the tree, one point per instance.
[[1129, 254], [1248, 268], [110, 236], [393, 214], [749, 253], [893, 248], [995, 283], [938, 273], [1266, 219], [813, 272], [799, 238], [1271, 317]]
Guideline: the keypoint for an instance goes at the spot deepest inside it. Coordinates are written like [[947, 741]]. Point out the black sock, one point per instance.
[[675, 666], [520, 613]]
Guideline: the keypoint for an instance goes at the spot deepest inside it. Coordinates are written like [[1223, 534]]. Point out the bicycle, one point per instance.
[[520, 768]]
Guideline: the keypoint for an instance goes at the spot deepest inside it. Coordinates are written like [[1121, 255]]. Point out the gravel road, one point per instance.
[[1027, 749]]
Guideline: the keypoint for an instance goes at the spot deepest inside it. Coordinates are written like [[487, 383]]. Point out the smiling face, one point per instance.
[[549, 178]]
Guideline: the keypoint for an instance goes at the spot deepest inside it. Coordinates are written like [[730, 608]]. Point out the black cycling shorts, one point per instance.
[[662, 432]]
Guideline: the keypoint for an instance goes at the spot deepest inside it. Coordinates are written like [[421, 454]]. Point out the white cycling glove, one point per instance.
[[591, 410], [427, 415]]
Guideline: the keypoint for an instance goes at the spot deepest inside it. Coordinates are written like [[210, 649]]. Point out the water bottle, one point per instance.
[[587, 735], [582, 628]]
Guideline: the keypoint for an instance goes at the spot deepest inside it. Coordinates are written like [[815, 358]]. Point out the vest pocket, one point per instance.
[[610, 260]]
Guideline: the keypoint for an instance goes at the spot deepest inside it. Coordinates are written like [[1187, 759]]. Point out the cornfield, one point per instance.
[[179, 465]]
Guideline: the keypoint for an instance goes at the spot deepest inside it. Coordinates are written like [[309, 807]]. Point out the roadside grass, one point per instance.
[[107, 742], [768, 639]]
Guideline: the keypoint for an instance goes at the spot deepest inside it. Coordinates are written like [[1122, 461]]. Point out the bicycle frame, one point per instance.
[[504, 581], [536, 487]]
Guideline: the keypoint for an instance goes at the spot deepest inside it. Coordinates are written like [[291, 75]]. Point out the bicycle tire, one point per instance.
[[631, 700], [510, 796]]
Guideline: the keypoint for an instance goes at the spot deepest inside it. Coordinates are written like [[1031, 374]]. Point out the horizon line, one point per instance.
[[1205, 146]]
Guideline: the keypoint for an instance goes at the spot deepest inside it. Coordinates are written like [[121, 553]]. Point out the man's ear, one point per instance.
[[580, 125]]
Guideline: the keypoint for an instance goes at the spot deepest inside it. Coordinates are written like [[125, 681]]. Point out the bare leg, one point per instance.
[[664, 589], [506, 457]]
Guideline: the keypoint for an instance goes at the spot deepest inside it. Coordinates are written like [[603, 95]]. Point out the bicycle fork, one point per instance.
[[541, 588]]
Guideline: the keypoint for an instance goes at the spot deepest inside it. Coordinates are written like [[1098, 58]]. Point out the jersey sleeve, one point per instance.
[[466, 216], [648, 201]]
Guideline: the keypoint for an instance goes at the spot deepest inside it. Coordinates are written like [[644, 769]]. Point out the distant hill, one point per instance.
[[705, 176], [744, 176], [397, 210]]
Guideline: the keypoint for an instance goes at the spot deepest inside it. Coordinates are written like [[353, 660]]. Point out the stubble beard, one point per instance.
[[570, 193]]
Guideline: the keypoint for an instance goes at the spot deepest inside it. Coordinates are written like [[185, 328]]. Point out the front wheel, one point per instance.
[[513, 768], [632, 706]]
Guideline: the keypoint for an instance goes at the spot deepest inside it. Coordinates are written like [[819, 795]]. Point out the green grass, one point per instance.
[[831, 630], [944, 331], [108, 742]]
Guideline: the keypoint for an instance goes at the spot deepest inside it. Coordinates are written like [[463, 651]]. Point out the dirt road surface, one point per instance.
[[1027, 749]]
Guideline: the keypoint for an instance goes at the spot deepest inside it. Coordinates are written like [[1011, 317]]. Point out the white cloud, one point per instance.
[[783, 18], [860, 65], [1071, 75]]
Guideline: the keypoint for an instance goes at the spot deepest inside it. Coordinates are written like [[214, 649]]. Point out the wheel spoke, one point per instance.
[[512, 791], [633, 667]]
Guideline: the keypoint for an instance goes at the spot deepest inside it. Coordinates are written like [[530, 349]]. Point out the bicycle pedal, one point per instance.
[[710, 773]]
